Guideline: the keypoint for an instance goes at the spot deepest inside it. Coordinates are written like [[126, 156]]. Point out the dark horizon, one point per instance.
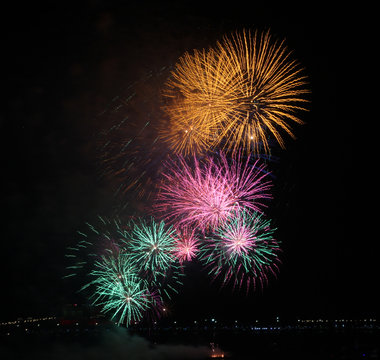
[[67, 64]]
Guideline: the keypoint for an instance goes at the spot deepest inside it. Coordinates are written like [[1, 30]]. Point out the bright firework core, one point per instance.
[[239, 240], [151, 245]]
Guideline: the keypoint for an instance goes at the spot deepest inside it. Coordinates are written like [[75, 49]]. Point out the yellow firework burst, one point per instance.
[[236, 94]]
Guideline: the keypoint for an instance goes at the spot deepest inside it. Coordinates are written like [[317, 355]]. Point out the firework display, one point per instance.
[[187, 157], [237, 94], [242, 249], [204, 193]]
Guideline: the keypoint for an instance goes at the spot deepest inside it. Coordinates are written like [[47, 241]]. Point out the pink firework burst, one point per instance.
[[186, 247], [202, 194]]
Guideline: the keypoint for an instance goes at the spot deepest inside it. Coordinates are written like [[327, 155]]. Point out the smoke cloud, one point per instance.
[[114, 344]]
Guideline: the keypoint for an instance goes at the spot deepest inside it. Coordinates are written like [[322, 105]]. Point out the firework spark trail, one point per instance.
[[241, 250], [103, 238], [129, 147], [249, 181], [202, 194], [237, 94]]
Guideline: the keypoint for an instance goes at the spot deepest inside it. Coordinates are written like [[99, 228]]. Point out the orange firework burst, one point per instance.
[[235, 95], [193, 111]]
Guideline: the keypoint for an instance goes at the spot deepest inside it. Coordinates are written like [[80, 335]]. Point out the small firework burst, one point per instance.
[[186, 246]]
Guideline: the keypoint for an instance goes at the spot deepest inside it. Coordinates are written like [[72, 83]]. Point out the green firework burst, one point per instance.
[[242, 249], [119, 290], [152, 247]]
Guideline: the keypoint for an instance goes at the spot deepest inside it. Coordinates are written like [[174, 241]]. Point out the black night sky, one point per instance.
[[64, 64]]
